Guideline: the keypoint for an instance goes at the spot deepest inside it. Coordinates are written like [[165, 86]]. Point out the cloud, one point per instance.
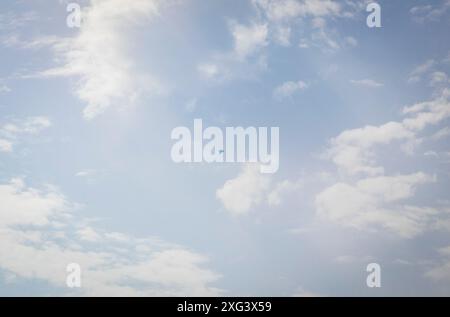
[[289, 88], [351, 41], [282, 15], [4, 89], [417, 73], [276, 196], [283, 36], [5, 145], [12, 132], [250, 189], [428, 12], [353, 150], [10, 21], [247, 190], [369, 83], [375, 202], [248, 39], [442, 133], [246, 57], [105, 79], [40, 235], [439, 78], [440, 272], [277, 10]]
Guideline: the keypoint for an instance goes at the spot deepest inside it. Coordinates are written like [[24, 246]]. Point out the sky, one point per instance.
[[86, 174]]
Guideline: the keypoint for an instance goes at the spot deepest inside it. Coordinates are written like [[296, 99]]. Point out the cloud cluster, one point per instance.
[[375, 200], [40, 235]]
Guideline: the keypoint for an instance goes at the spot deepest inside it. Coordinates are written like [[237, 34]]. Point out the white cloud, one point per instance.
[[105, 79], [276, 196], [442, 133], [251, 189], [277, 10], [14, 131], [40, 236], [5, 145], [353, 150], [351, 41], [4, 89], [10, 21], [289, 88], [419, 71], [438, 78], [30, 125], [247, 190], [440, 272], [248, 39], [283, 35], [430, 12], [370, 83], [374, 203]]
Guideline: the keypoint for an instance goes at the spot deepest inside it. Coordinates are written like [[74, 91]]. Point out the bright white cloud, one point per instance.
[[240, 194]]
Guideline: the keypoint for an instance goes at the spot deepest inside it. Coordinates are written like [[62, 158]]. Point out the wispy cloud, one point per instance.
[[14, 131], [289, 88], [369, 83]]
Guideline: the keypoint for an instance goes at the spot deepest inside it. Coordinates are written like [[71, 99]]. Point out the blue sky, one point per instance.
[[86, 174]]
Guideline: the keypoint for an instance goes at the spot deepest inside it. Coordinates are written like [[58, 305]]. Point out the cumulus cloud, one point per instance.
[[376, 202], [353, 150], [251, 189], [240, 194], [40, 235]]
